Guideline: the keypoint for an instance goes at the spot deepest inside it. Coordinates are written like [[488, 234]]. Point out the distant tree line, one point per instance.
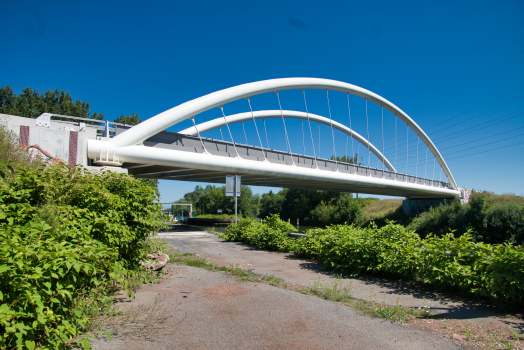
[[207, 200], [311, 207], [490, 218], [31, 103]]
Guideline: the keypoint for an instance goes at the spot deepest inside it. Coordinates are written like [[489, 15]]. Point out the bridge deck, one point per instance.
[[174, 141]]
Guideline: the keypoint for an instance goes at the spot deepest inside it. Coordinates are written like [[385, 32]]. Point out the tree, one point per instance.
[[132, 119], [213, 198], [30, 104], [347, 159], [271, 203]]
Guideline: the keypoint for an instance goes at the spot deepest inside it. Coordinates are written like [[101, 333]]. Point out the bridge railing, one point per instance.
[[175, 141]]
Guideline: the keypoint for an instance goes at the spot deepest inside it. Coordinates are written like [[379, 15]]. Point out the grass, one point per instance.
[[382, 210], [336, 291], [128, 320], [492, 198], [137, 321]]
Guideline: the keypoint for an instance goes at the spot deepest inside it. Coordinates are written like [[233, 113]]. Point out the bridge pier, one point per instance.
[[415, 206]]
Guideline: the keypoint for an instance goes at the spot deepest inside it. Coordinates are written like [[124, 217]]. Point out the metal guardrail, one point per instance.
[[44, 120], [297, 235], [176, 141]]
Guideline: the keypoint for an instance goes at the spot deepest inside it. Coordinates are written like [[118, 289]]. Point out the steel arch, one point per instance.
[[152, 126], [242, 117]]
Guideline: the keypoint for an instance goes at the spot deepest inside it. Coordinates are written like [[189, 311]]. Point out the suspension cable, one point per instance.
[[318, 124], [407, 148], [416, 164], [220, 129], [285, 129], [243, 128], [434, 161], [265, 130], [230, 135], [346, 153], [358, 151], [367, 127], [332, 130], [426, 166], [256, 127], [382, 110], [303, 139], [310, 130], [395, 141], [200, 137], [352, 149]]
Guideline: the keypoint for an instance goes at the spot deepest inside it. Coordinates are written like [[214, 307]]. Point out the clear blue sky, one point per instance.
[[436, 60]]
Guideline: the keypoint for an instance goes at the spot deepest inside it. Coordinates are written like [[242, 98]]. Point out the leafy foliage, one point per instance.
[[65, 233], [10, 150], [447, 262], [272, 234], [499, 222], [314, 207], [132, 119], [30, 104], [213, 198]]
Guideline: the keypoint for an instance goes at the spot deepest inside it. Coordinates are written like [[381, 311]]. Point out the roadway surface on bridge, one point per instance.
[[210, 310]]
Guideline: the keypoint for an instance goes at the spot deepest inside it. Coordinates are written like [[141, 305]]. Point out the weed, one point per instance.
[[274, 281], [516, 335], [423, 311], [334, 292], [394, 313], [136, 320], [153, 244]]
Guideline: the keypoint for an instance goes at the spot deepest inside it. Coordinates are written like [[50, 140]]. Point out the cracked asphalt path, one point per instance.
[[198, 309]]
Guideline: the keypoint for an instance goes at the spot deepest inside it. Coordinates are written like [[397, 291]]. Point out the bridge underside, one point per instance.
[[345, 177], [218, 177]]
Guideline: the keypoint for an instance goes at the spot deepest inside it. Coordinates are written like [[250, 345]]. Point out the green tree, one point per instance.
[[347, 159], [213, 198], [31, 103], [271, 203], [132, 119]]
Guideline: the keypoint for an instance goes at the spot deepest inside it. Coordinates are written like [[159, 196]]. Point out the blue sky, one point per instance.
[[436, 60]]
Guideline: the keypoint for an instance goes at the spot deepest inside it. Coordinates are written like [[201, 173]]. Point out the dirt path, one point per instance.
[[198, 309]]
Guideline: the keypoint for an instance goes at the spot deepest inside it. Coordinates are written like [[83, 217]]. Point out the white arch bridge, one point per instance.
[[147, 150]]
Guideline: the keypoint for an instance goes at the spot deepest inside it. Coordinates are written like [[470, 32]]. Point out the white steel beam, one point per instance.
[[242, 117], [168, 157], [152, 126]]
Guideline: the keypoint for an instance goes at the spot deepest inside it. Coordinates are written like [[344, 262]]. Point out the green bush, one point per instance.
[[218, 216], [272, 234], [446, 263], [494, 223], [63, 234], [505, 222]]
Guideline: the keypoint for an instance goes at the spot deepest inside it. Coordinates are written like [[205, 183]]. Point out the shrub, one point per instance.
[[218, 216], [10, 150], [494, 223], [63, 234], [272, 234], [505, 222], [447, 262]]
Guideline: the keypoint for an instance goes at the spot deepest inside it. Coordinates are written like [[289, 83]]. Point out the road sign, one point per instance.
[[230, 185], [233, 189], [219, 211], [190, 214]]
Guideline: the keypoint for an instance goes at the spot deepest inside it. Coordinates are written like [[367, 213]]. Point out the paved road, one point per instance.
[[305, 273], [198, 309]]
